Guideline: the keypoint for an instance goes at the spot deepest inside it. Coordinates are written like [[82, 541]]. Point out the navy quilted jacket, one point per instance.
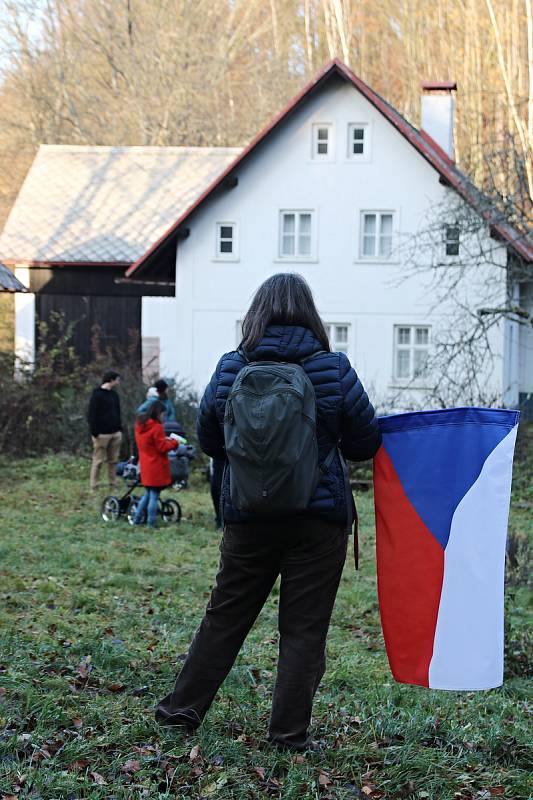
[[345, 414]]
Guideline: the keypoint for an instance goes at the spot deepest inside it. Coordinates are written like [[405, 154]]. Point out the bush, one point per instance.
[[43, 406]]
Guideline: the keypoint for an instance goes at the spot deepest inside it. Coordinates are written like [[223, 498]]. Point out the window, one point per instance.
[[452, 239], [377, 229], [296, 234], [411, 351], [226, 241], [338, 336], [358, 140], [322, 140]]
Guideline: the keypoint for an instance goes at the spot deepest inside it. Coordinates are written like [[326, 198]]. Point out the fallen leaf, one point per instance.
[[77, 722], [495, 790], [79, 764], [367, 790], [300, 759], [260, 771], [2, 691], [324, 779], [131, 766], [99, 779], [115, 687], [195, 753], [146, 750]]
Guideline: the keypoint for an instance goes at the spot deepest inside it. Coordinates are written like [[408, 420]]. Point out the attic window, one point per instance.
[[322, 140], [452, 239], [357, 140]]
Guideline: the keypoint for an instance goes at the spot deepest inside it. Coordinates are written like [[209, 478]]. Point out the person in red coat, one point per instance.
[[153, 447]]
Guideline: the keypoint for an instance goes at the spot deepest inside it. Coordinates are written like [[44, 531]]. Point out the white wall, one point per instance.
[[373, 297], [24, 320]]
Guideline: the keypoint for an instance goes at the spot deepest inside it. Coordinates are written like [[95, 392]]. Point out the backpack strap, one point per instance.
[[326, 464]]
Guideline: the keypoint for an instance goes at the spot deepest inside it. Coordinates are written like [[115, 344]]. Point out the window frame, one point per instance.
[[366, 154], [313, 235], [411, 347], [330, 326], [379, 213], [448, 241], [315, 155], [219, 255]]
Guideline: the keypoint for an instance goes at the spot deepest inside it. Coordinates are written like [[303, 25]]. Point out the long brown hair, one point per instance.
[[283, 299]]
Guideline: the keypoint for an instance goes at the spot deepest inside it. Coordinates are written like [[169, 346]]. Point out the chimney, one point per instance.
[[437, 113]]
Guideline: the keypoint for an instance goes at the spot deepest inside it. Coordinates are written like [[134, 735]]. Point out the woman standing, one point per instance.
[[307, 549], [153, 447]]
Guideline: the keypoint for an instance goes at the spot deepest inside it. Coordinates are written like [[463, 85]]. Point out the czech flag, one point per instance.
[[442, 483]]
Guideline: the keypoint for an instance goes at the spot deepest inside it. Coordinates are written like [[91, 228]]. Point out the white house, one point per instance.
[[339, 187], [336, 187]]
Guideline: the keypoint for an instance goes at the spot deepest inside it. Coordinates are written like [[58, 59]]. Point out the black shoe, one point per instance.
[[179, 720]]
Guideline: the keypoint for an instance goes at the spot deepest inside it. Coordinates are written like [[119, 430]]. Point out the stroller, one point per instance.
[[179, 458], [114, 507]]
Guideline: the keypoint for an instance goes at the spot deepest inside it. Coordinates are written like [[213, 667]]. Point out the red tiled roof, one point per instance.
[[425, 145]]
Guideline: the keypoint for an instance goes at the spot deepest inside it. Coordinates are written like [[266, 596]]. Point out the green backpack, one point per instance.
[[270, 437]]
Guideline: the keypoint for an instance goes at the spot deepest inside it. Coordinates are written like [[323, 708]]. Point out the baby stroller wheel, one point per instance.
[[110, 509], [170, 511]]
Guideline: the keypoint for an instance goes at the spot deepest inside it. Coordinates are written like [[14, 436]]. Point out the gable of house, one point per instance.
[[153, 263]]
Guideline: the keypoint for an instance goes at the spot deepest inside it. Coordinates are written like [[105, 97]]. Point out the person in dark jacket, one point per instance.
[[105, 426], [307, 550]]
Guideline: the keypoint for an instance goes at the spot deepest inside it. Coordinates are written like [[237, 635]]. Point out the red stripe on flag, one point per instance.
[[410, 563]]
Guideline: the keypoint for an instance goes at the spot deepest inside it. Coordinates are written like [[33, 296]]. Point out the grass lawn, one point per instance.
[[95, 618]]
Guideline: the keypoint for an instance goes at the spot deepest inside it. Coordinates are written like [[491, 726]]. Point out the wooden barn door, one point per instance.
[[105, 324]]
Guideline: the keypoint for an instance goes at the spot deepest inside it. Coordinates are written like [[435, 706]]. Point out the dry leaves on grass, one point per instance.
[[78, 765], [131, 766], [195, 753], [99, 779], [324, 780]]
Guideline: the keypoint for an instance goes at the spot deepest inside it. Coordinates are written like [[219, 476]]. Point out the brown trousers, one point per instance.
[[106, 449], [309, 554]]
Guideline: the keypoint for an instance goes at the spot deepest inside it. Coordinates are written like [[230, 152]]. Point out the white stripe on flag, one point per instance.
[[468, 647]]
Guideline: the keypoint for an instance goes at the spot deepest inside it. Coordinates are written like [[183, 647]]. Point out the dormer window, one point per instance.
[[358, 140], [322, 140]]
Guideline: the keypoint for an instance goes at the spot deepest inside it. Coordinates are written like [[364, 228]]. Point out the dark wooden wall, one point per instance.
[[99, 324], [90, 299]]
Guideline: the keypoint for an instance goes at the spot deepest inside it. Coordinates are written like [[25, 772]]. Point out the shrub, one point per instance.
[[43, 406]]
